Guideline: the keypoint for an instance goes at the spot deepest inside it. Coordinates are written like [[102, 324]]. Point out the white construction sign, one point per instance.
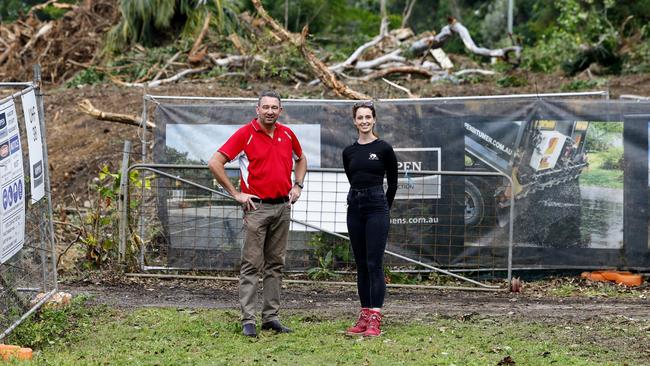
[[35, 145], [12, 184]]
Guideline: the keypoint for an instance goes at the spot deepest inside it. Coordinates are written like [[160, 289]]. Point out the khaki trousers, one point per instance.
[[265, 245]]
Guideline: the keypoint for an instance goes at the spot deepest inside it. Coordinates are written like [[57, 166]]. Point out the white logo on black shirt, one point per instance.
[[373, 156]]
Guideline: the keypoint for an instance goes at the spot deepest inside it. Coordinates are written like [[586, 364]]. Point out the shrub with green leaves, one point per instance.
[[612, 158], [89, 76], [99, 226]]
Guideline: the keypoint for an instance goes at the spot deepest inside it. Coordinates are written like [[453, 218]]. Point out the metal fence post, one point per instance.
[[143, 141], [46, 175], [124, 199]]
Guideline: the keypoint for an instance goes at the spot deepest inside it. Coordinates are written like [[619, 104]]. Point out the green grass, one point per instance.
[[603, 290], [154, 336], [597, 176]]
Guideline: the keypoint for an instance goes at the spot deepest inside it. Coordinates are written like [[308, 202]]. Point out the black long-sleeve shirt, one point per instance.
[[365, 166]]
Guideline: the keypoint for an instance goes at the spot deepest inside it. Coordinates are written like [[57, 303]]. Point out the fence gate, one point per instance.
[[27, 250]]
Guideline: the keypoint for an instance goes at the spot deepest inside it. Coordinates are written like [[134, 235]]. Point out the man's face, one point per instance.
[[268, 110]]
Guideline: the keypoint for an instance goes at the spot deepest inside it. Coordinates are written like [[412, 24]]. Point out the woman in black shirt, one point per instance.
[[366, 162]]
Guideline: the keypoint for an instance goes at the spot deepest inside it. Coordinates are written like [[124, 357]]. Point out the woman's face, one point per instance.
[[363, 120]]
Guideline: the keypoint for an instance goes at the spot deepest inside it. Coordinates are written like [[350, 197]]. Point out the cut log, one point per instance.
[[87, 107], [441, 58]]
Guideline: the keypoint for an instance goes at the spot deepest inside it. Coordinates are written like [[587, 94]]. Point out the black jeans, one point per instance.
[[368, 222]]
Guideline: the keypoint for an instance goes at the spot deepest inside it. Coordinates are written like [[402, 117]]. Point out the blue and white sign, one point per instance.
[[35, 145], [12, 185]]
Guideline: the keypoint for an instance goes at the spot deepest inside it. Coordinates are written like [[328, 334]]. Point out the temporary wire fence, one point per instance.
[[185, 221], [28, 276]]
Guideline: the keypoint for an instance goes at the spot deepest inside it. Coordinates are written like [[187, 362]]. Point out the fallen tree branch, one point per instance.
[[406, 90], [234, 59], [96, 67], [237, 43], [318, 67], [8, 51], [278, 30], [472, 47], [169, 62], [54, 4], [474, 71], [325, 75], [355, 55], [390, 57], [153, 84], [398, 70], [453, 77], [199, 39], [87, 107], [41, 32], [456, 27]]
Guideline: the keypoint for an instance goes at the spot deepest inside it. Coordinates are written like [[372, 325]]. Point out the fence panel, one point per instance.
[[28, 258], [188, 223]]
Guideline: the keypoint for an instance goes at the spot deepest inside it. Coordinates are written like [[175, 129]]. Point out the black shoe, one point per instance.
[[276, 326], [249, 330]]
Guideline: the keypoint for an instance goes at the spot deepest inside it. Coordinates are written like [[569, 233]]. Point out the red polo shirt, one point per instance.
[[265, 162]]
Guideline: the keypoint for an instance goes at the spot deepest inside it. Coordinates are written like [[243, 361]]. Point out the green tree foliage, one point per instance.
[[335, 21], [12, 9], [154, 22], [554, 33], [560, 30]]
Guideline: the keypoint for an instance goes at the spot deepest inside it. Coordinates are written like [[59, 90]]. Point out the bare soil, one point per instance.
[[78, 145], [534, 303]]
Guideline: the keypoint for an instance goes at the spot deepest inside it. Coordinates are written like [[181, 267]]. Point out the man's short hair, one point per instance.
[[271, 94]]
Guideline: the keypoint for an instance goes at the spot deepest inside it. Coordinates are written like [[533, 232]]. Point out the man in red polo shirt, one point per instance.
[[265, 150]]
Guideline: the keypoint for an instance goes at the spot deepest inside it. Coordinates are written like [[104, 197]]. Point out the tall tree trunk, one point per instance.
[[383, 27], [286, 14], [406, 14], [455, 9]]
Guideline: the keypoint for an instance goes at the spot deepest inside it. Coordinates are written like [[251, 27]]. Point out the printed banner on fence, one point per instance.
[[12, 184], [35, 145], [571, 164]]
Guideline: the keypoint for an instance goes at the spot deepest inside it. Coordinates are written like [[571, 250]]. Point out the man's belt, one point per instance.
[[273, 201]]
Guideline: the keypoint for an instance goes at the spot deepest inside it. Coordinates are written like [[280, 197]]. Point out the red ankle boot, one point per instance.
[[362, 323], [374, 324]]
